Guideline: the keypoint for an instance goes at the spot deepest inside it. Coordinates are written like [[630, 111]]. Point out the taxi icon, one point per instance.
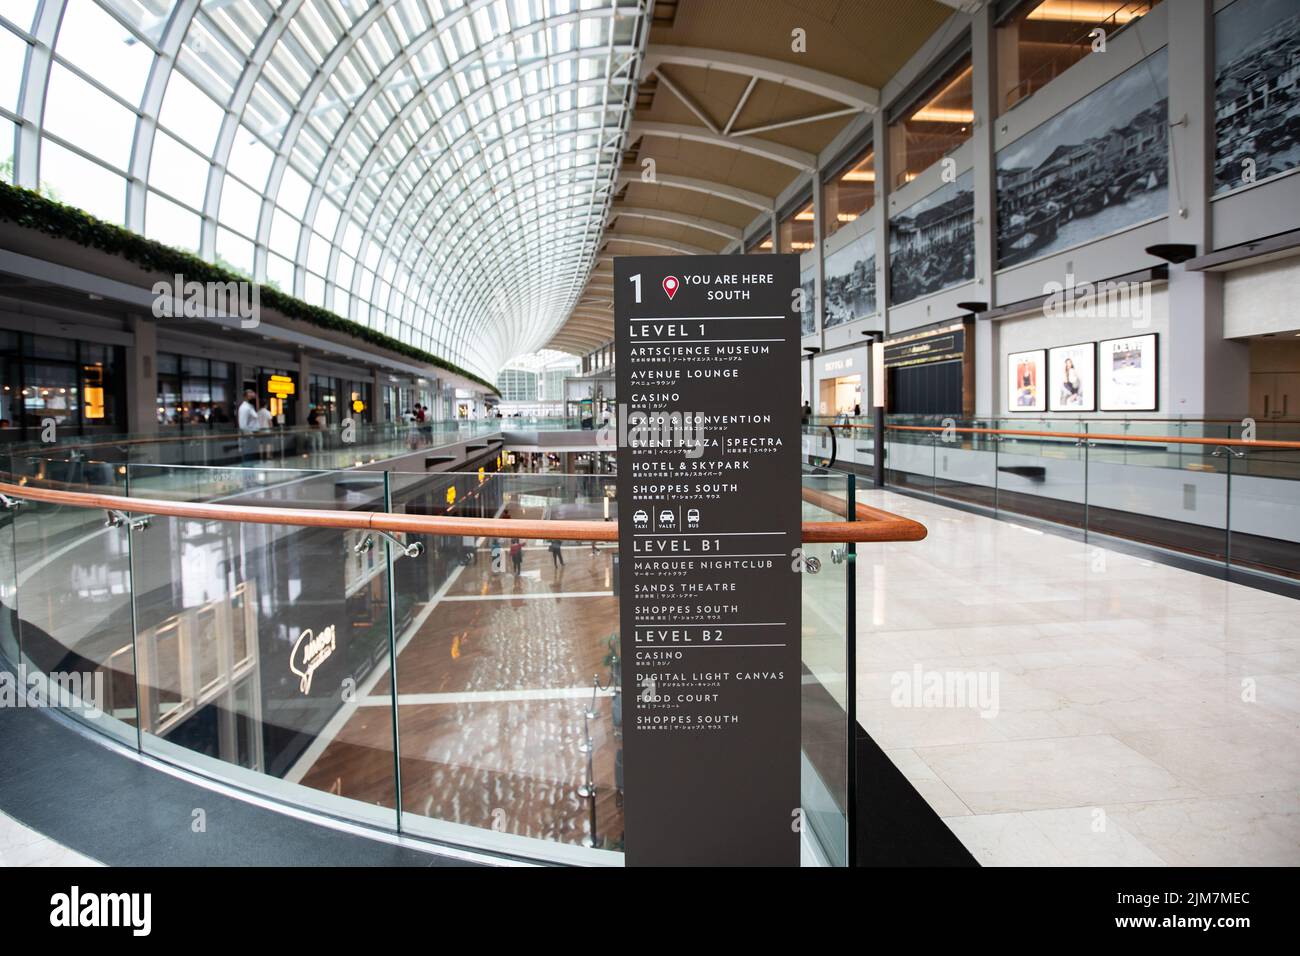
[[640, 518]]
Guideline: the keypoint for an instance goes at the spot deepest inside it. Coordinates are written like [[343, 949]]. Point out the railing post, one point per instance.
[[878, 446]]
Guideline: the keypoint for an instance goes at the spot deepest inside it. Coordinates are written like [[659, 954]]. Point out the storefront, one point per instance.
[[277, 389], [323, 394], [841, 381], [357, 397], [931, 372], [194, 392], [77, 386]]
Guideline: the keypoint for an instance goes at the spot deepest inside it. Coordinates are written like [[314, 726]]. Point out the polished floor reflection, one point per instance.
[[1058, 703], [502, 685]]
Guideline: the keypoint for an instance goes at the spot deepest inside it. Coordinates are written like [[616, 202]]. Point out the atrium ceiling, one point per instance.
[[730, 110], [436, 169], [455, 173]]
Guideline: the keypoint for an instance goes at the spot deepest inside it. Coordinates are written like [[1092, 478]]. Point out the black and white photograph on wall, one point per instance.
[[1072, 378], [850, 275], [1027, 381], [1097, 167], [808, 313], [931, 242], [1256, 91], [1127, 374]]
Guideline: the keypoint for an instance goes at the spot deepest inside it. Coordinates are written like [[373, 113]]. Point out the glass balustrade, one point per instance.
[[1190, 488], [461, 688]]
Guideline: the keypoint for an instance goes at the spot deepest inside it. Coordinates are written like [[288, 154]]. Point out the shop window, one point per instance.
[[194, 392], [938, 121], [1040, 39], [325, 397], [796, 231], [850, 193]]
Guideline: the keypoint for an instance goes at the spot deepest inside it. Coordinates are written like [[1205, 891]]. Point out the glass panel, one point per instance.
[[73, 599], [103, 48], [508, 668], [796, 231], [191, 115], [13, 58], [8, 576], [1264, 508], [849, 194], [1170, 496], [69, 178], [939, 121], [262, 649], [910, 457], [85, 117], [966, 464], [1043, 38], [827, 714], [1041, 476], [178, 171]]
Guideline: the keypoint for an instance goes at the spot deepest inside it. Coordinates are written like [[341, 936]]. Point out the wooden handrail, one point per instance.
[[871, 524], [1088, 436], [235, 435]]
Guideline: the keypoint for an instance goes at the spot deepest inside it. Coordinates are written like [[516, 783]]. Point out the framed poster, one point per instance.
[[1126, 374], [1027, 381], [1072, 378]]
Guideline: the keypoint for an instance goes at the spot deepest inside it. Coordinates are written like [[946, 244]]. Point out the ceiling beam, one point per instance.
[[765, 149], [828, 85], [742, 196], [740, 105], [797, 121], [658, 242], [687, 100], [730, 233]]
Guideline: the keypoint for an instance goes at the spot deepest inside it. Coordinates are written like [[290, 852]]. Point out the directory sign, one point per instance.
[[707, 380]]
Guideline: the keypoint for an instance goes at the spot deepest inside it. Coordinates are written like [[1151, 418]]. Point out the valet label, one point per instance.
[[706, 371]]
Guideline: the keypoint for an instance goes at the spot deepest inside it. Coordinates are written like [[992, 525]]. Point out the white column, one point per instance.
[[984, 174], [1208, 376]]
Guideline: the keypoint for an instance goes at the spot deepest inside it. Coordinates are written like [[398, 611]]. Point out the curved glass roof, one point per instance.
[[437, 169]]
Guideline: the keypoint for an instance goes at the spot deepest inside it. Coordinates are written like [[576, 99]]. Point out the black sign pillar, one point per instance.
[[707, 369]]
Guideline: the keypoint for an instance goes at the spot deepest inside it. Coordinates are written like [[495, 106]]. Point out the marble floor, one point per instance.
[[1058, 703]]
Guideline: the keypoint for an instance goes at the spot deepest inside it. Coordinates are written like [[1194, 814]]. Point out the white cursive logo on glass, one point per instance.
[[310, 652]]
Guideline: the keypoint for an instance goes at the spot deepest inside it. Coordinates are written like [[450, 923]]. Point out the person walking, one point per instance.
[[266, 438], [557, 555], [517, 556], [247, 417]]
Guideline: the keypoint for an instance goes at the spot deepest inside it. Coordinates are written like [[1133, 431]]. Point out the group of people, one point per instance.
[[419, 425], [515, 551], [255, 421]]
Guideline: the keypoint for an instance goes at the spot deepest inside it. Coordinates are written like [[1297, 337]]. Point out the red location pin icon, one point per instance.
[[670, 285]]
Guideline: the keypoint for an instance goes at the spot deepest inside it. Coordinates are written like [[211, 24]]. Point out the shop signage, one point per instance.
[[281, 386], [707, 355], [939, 345]]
